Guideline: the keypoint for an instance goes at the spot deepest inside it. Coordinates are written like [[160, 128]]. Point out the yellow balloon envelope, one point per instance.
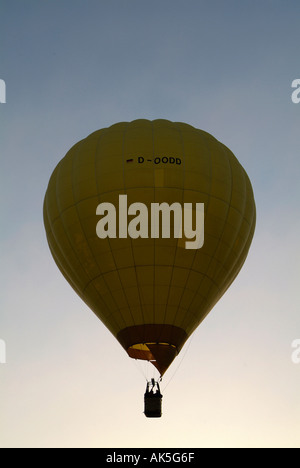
[[148, 288]]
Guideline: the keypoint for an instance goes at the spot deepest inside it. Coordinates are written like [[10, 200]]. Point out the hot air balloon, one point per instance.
[[115, 230]]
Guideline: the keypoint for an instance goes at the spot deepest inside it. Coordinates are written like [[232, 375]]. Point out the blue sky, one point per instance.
[[72, 67]]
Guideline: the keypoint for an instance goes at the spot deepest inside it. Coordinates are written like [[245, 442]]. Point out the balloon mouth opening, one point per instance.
[[158, 344], [160, 355]]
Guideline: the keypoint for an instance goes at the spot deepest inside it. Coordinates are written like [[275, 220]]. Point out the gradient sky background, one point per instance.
[[74, 66]]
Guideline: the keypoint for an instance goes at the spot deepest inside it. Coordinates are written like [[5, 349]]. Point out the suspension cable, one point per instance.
[[180, 362]]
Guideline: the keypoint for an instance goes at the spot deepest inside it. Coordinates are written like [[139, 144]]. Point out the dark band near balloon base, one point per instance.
[[156, 343]]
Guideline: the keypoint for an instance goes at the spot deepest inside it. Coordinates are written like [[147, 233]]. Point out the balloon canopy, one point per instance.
[[147, 286]]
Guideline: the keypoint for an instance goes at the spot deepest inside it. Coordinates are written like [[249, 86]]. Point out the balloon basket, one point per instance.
[[153, 400]]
